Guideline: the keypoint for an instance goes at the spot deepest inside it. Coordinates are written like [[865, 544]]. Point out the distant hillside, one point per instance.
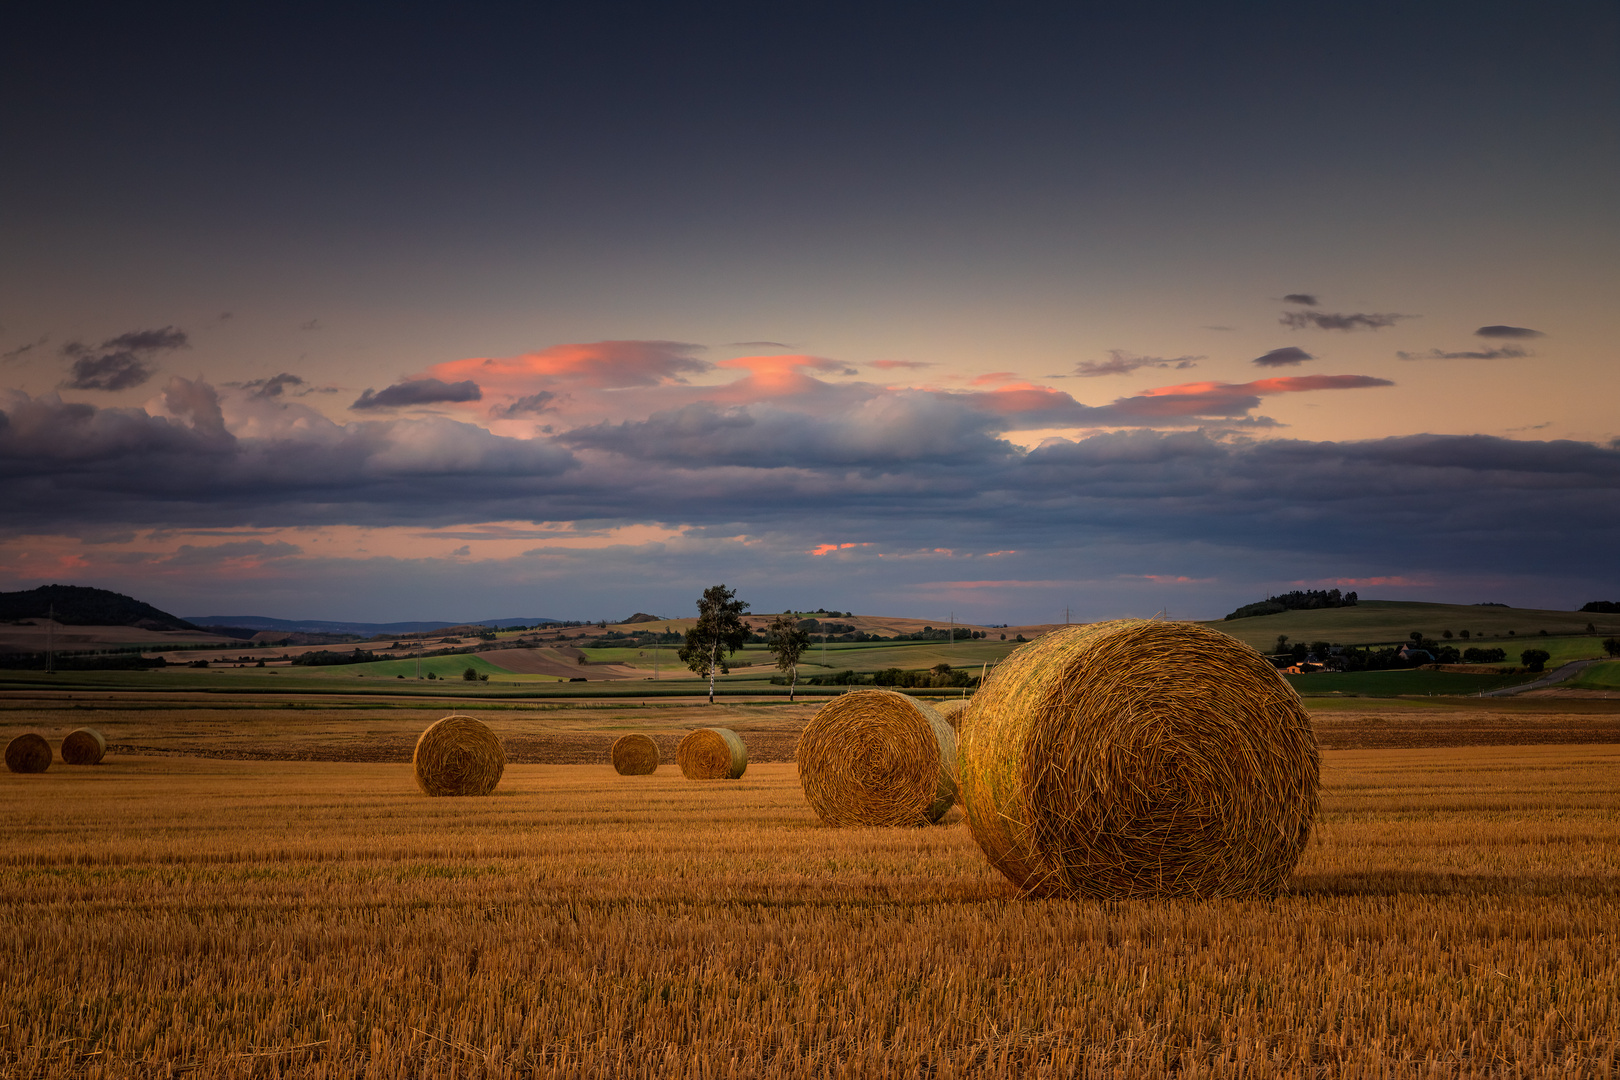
[[76, 605], [364, 629], [1391, 621]]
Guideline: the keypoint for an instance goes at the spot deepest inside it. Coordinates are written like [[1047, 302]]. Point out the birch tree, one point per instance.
[[719, 632], [787, 642]]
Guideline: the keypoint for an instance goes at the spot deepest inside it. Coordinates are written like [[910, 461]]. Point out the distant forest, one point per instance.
[[1603, 607], [1297, 600]]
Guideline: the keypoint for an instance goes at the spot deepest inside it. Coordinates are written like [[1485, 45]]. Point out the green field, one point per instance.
[[1604, 676], [442, 667]]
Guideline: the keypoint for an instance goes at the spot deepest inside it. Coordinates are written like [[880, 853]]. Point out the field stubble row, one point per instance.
[[574, 734], [1454, 915]]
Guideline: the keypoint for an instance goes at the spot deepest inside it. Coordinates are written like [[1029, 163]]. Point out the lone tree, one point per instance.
[[719, 632], [787, 642], [1535, 659], [1611, 646]]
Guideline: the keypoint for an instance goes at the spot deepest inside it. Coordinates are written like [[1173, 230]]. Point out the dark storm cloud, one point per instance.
[[1323, 320], [899, 471], [418, 392], [1286, 356], [76, 460], [907, 426], [272, 387], [1307, 299], [1500, 331], [121, 362], [529, 405], [1120, 362], [1508, 352]]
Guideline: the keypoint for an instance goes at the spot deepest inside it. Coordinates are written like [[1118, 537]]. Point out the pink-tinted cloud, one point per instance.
[[782, 376], [1220, 399], [994, 378], [599, 365]]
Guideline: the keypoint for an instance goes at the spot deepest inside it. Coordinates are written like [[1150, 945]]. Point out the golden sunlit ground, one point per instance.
[[1455, 915]]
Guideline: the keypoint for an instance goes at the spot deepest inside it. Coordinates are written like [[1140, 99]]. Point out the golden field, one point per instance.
[[1456, 914]]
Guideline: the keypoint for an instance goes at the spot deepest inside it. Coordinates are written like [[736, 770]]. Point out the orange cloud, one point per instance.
[[600, 365]]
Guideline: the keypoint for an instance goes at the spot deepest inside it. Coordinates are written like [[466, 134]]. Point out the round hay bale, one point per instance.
[[635, 755], [84, 746], [28, 753], [712, 753], [458, 756], [951, 709], [1139, 759], [877, 757]]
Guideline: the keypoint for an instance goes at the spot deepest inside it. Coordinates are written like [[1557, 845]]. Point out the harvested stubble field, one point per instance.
[[1455, 915]]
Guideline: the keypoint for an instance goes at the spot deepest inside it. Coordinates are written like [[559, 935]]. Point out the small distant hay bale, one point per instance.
[[458, 756], [1139, 759], [84, 746], [877, 757], [28, 753], [951, 709], [712, 753], [635, 755]]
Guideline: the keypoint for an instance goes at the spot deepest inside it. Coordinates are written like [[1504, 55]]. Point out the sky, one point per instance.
[[1009, 313]]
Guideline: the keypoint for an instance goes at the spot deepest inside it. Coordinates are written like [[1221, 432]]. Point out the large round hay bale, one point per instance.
[[28, 753], [84, 746], [1139, 759], [951, 710], [877, 757], [635, 755], [712, 753], [458, 756]]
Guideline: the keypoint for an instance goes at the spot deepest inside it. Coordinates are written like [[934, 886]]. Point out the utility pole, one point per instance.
[[1065, 615], [953, 631], [50, 642]]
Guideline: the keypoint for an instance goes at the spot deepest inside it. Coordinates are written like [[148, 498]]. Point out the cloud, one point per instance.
[[1284, 357], [1499, 331], [121, 362], [1308, 299], [757, 345], [1220, 399], [418, 392], [528, 405], [273, 386], [745, 489], [1120, 362], [183, 465], [600, 365], [313, 324], [12, 354], [911, 426], [1508, 352], [1322, 320], [893, 365]]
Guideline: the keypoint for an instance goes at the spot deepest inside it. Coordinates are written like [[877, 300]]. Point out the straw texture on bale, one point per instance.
[[458, 756], [28, 753], [635, 755], [877, 757], [951, 709], [84, 746], [712, 753], [1139, 759]]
